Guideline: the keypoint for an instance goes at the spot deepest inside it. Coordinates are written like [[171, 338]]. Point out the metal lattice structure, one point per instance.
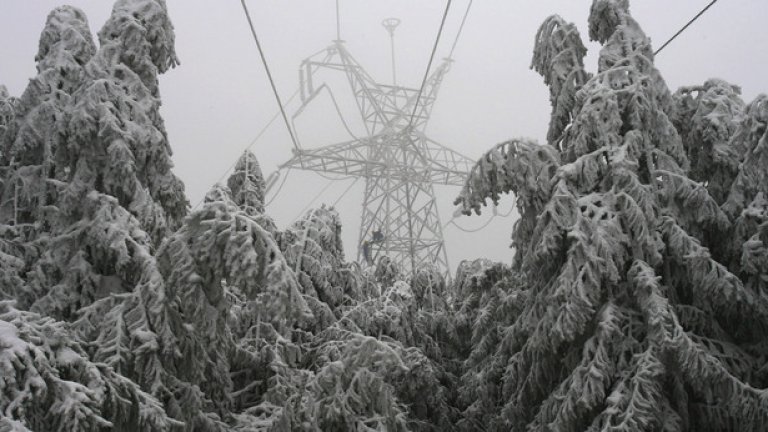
[[399, 163]]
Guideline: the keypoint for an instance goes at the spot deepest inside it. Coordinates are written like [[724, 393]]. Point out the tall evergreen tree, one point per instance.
[[112, 146], [630, 323], [34, 131], [49, 383], [33, 134], [247, 184]]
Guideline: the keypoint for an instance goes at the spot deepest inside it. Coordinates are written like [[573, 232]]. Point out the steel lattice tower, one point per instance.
[[399, 163]]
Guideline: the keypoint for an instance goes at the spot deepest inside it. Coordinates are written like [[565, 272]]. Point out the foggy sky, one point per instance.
[[219, 98]]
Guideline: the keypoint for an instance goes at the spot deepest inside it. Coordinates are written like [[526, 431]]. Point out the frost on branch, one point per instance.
[[583, 352], [115, 125], [36, 130], [247, 184], [49, 383], [521, 167], [747, 202], [558, 56], [139, 34], [707, 116], [750, 141], [313, 248]]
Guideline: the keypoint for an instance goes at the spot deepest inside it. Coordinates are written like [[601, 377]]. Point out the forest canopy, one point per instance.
[[635, 299]]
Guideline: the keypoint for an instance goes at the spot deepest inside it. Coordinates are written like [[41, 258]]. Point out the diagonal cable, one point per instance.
[[688, 24], [429, 65], [269, 75]]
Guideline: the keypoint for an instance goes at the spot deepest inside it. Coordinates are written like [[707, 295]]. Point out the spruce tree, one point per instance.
[[112, 146], [50, 383], [630, 324], [34, 131], [707, 117]]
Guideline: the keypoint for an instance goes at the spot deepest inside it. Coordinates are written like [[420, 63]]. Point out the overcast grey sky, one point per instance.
[[219, 98]]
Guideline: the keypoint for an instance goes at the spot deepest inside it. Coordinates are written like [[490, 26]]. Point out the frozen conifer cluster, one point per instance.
[[637, 298]]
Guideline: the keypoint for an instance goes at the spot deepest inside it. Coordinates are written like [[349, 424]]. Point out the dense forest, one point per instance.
[[635, 298]]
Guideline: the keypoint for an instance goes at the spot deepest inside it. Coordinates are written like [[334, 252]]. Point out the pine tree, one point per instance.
[[707, 117], [8, 106], [247, 184], [747, 202], [314, 250], [34, 132], [631, 324], [114, 126], [112, 147], [490, 298], [49, 383], [559, 58]]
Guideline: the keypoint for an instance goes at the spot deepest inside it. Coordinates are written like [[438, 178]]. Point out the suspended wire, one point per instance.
[[685, 26], [248, 147], [461, 27], [317, 195], [509, 213], [338, 22], [345, 192], [472, 231], [279, 188], [334, 178], [429, 65], [269, 75], [488, 222]]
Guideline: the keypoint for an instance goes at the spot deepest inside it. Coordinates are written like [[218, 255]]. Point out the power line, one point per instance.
[[248, 147], [345, 192], [685, 26], [461, 27], [269, 75], [279, 188], [431, 58], [472, 231], [488, 222], [317, 195]]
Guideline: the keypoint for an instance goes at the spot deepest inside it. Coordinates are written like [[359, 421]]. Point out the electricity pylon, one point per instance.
[[399, 163]]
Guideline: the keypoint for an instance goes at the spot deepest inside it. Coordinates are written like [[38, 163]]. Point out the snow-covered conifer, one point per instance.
[[247, 184], [706, 118], [114, 124], [35, 130], [747, 202], [313, 248], [559, 58], [630, 324], [49, 382]]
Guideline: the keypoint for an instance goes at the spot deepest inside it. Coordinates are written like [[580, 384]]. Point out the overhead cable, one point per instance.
[[345, 192], [317, 195], [269, 75], [461, 27], [279, 188], [685, 26], [248, 147], [431, 58]]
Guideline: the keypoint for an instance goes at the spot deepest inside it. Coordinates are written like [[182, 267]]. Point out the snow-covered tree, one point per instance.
[[35, 130], [112, 154], [7, 115], [49, 383], [313, 248], [559, 58], [747, 202], [491, 298], [630, 323], [707, 117], [247, 184], [114, 126]]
